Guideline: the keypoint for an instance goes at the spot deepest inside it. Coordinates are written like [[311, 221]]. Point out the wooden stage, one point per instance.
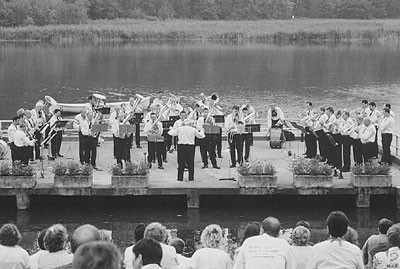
[[207, 181]]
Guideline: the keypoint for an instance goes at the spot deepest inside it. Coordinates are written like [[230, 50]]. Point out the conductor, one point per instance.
[[186, 135]]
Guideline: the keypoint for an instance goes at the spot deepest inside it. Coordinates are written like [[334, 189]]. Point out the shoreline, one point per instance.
[[296, 31]]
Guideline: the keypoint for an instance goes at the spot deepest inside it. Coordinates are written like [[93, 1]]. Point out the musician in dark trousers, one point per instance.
[[319, 130], [375, 117], [347, 126], [137, 109], [337, 137], [386, 127], [155, 149], [209, 143], [186, 139], [121, 140], [90, 140], [39, 118], [12, 129], [22, 144], [78, 125], [235, 129], [367, 137], [355, 140], [57, 139], [247, 118], [307, 117]]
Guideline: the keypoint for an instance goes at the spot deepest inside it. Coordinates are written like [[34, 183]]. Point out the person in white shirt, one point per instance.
[[391, 257], [319, 131], [147, 254], [336, 135], [138, 235], [344, 130], [39, 118], [133, 108], [12, 255], [211, 256], [97, 255], [355, 139], [121, 143], [179, 245], [275, 116], [328, 139], [158, 232], [390, 107], [307, 117], [375, 117], [367, 137], [386, 127], [247, 117], [235, 137], [208, 145], [155, 148], [22, 144], [77, 124], [266, 250], [57, 139], [12, 129], [301, 249], [364, 111], [335, 252], [186, 146]]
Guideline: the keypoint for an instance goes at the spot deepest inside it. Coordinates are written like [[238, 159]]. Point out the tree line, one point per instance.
[[43, 12]]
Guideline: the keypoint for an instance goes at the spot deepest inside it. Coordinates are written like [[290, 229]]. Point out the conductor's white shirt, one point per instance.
[[186, 134]]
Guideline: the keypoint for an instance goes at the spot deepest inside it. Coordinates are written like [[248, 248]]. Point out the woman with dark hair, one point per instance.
[[138, 234], [12, 255], [34, 259], [251, 229], [55, 241]]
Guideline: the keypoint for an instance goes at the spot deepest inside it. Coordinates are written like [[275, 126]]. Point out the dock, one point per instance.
[[209, 181]]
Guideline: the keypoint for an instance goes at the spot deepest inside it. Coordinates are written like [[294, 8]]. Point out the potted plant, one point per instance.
[[257, 174], [134, 175], [18, 176], [311, 173], [72, 175], [371, 174]]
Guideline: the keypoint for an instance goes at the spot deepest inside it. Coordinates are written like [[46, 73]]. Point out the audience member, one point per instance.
[[147, 254], [105, 235], [179, 246], [11, 255], [303, 223], [336, 252], [211, 256], [138, 234], [158, 232], [301, 249], [391, 257], [266, 250], [351, 236], [34, 259], [97, 255], [251, 229]]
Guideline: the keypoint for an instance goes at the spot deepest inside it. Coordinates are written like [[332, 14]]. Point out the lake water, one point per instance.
[[339, 76]]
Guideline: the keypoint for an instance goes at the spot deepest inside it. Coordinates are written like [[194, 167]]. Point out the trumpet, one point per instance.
[[251, 115]]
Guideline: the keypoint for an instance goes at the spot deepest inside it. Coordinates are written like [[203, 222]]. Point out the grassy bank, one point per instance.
[[272, 31]]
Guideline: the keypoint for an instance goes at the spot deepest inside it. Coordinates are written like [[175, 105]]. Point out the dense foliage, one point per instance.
[[72, 169], [131, 169], [42, 12], [18, 169], [371, 168], [303, 166], [256, 168]]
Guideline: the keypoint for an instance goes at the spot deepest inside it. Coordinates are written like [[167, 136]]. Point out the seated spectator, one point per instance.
[[303, 223], [105, 235], [55, 241], [97, 255], [251, 229], [211, 256], [34, 259], [147, 254], [390, 258], [138, 234], [158, 232], [12, 256], [351, 236], [376, 243], [179, 246], [301, 249], [336, 252]]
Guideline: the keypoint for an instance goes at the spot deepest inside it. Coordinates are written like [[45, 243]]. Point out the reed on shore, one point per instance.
[[269, 31]]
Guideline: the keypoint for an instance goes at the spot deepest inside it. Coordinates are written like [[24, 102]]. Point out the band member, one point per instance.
[[39, 118], [330, 143], [355, 140], [90, 139], [275, 116], [196, 113], [235, 139], [386, 127], [57, 139], [389, 106], [209, 143], [22, 144], [134, 107], [307, 117], [121, 143], [337, 137], [12, 129], [247, 117], [186, 136], [367, 137], [364, 111], [319, 131], [158, 100], [77, 124], [154, 128], [375, 117], [347, 126]]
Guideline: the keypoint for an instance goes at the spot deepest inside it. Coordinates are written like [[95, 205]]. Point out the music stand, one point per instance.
[[126, 129], [174, 118], [211, 129], [253, 128], [219, 118], [99, 128], [137, 119], [167, 123], [103, 110], [155, 138]]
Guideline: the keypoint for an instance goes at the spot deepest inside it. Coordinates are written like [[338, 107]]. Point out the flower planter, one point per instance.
[[371, 180], [311, 181], [136, 181], [17, 182], [257, 181], [68, 181]]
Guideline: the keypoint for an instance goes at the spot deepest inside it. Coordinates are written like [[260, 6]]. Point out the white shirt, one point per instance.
[[186, 134], [210, 258], [13, 257], [335, 254], [321, 120], [169, 259], [78, 121], [128, 257], [365, 112], [148, 128], [264, 251], [338, 125], [85, 127], [368, 134], [34, 259], [177, 124], [54, 259], [12, 129], [280, 116], [375, 115], [382, 261], [53, 120], [21, 140], [184, 262], [348, 124], [301, 255], [38, 117], [386, 125], [329, 123]]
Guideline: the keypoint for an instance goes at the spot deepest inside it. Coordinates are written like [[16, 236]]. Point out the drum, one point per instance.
[[276, 141], [3, 149]]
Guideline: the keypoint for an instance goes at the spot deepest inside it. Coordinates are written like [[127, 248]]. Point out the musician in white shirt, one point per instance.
[[390, 108], [308, 117], [57, 139], [329, 141], [39, 118], [12, 129], [22, 144], [131, 108], [367, 137], [319, 130], [386, 127], [90, 139], [356, 141], [209, 143], [121, 143], [275, 116], [364, 111], [346, 140], [247, 117], [154, 129], [375, 117], [77, 124], [336, 135]]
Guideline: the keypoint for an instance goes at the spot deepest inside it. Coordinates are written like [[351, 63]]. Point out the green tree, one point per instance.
[[103, 9]]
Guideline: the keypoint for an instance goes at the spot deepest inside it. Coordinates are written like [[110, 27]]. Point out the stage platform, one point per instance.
[[206, 182]]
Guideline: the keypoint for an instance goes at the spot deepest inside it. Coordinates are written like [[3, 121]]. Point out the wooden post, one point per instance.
[[193, 217], [193, 199], [363, 197], [22, 199], [363, 216]]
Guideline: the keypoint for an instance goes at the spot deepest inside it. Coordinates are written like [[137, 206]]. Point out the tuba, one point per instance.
[[132, 113]]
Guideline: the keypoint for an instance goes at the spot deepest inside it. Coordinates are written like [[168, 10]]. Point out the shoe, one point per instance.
[[171, 150], [95, 168], [139, 147], [204, 166], [165, 160], [335, 174], [191, 179], [232, 166], [154, 161], [59, 155], [160, 167], [345, 170], [150, 165], [220, 156], [180, 180], [246, 160], [216, 167]]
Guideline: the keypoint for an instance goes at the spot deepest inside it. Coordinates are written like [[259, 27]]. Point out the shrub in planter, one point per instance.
[[257, 174], [72, 175], [309, 173], [371, 174], [135, 174], [17, 176]]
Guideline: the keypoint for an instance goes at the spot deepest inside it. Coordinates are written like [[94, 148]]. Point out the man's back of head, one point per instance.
[[337, 223], [84, 234], [384, 225], [146, 251], [97, 255], [271, 226], [178, 244]]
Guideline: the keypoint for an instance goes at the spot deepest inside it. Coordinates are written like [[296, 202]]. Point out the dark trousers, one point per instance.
[[13, 149], [386, 142], [90, 150], [346, 142], [137, 135], [311, 144], [357, 151], [337, 156], [122, 150], [322, 143], [219, 143], [185, 157], [81, 148], [56, 143], [154, 150], [368, 151], [30, 152], [247, 144], [164, 148], [375, 148], [38, 137], [168, 140], [207, 149], [22, 154], [330, 149], [236, 146]]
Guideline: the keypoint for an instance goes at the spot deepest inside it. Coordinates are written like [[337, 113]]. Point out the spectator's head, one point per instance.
[[9, 235], [351, 236], [384, 225], [146, 251], [178, 244], [156, 231], [211, 237], [105, 235], [138, 232], [303, 223], [251, 229], [55, 238], [40, 239], [337, 223], [271, 226], [393, 235], [300, 236], [84, 234], [97, 255]]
